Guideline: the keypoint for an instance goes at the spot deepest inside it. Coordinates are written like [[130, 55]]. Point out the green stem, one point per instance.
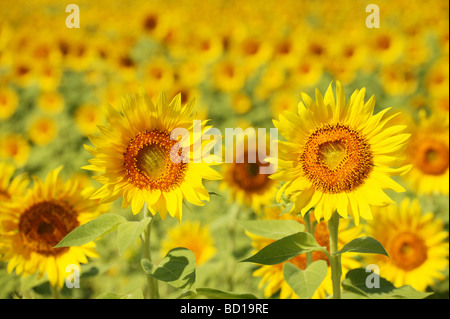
[[307, 221], [55, 292], [152, 283], [233, 212], [335, 259]]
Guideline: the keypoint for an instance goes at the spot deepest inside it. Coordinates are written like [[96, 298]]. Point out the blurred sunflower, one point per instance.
[[134, 156], [228, 75], [14, 147], [244, 177], [9, 101], [193, 236], [43, 130], [338, 156], [399, 79], [272, 275], [51, 102], [31, 225], [428, 152], [416, 244], [10, 186], [87, 117]]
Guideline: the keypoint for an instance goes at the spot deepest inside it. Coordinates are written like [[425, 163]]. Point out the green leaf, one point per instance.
[[137, 294], [305, 282], [285, 249], [91, 230], [273, 229], [219, 294], [177, 268], [365, 245], [128, 232], [356, 283]]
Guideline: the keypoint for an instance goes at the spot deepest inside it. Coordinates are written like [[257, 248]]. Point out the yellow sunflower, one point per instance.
[[245, 177], [9, 186], [338, 156], [9, 101], [272, 279], [193, 236], [31, 225], [416, 243], [134, 153], [428, 153], [14, 147]]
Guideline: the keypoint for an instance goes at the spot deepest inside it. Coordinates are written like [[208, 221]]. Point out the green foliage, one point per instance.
[[177, 268], [305, 282], [128, 232], [285, 249], [355, 286], [92, 230], [364, 245]]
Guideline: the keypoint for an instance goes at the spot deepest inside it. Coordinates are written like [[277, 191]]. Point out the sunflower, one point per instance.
[[9, 186], [43, 130], [193, 236], [16, 148], [134, 157], [416, 244], [9, 101], [51, 102], [87, 117], [338, 156], [32, 224], [272, 279], [245, 177], [428, 153]]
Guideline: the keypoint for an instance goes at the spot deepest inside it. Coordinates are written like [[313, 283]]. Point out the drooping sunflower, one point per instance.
[[339, 156], [428, 152], [272, 280], [32, 224], [135, 157], [246, 177], [193, 236], [416, 243]]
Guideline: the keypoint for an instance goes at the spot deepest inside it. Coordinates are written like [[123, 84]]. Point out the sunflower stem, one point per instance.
[[334, 258], [307, 221], [152, 283], [55, 292], [233, 212]]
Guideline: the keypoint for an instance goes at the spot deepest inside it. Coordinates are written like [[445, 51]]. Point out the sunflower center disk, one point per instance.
[[408, 251], [43, 226], [148, 162], [336, 159], [432, 157], [248, 177]]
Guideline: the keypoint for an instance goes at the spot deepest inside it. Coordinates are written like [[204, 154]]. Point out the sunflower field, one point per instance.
[[187, 149]]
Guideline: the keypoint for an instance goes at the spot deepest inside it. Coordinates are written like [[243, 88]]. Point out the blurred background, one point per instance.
[[243, 61]]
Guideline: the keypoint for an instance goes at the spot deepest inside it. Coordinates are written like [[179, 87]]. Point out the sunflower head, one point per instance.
[[32, 224], [338, 155], [136, 156], [415, 241]]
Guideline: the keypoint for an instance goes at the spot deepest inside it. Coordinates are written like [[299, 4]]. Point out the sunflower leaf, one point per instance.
[[273, 229], [90, 231], [286, 248], [365, 245], [366, 284], [305, 282], [128, 232], [177, 268]]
